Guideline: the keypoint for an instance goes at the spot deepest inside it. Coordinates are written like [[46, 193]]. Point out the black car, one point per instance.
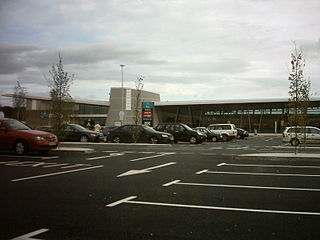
[[242, 134], [44, 128], [139, 134], [211, 136], [181, 132], [75, 132], [105, 131]]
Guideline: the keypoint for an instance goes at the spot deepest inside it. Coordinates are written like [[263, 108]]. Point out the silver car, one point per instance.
[[298, 135]]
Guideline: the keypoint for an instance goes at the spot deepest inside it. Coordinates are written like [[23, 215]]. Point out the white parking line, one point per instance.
[[56, 173], [128, 200], [56, 165], [178, 182], [259, 174], [265, 165], [106, 156]]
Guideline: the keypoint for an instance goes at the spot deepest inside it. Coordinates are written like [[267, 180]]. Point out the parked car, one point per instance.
[[307, 134], [242, 134], [227, 131], [105, 129], [211, 136], [45, 128], [75, 132], [143, 133], [19, 137], [181, 132]]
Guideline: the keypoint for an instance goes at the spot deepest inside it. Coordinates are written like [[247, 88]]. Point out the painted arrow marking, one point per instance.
[[146, 170], [29, 236], [265, 165], [129, 200], [148, 157]]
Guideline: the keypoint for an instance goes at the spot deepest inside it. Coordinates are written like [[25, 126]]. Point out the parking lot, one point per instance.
[[243, 189]]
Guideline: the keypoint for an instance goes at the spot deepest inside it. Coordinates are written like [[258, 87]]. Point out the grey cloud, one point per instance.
[[106, 52], [310, 48], [13, 57], [17, 58]]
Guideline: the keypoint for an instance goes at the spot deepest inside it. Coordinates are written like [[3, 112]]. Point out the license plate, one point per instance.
[[52, 143]]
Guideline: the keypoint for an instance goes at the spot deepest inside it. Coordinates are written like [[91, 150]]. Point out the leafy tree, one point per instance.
[[60, 82], [19, 101], [299, 91]]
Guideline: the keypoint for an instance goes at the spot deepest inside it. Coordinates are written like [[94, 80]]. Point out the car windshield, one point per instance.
[[148, 128], [187, 127], [78, 127], [16, 125]]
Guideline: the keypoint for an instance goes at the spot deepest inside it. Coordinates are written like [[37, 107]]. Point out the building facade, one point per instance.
[[125, 107], [260, 115], [37, 111]]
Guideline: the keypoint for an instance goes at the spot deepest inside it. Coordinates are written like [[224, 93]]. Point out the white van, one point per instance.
[[227, 131], [307, 134]]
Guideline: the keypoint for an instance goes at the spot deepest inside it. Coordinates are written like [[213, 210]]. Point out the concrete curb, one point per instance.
[[282, 155], [67, 149]]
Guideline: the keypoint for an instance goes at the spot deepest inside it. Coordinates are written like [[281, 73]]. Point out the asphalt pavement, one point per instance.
[[244, 189]]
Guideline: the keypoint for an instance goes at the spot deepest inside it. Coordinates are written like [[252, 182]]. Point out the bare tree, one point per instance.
[[19, 101], [299, 92], [60, 82], [137, 109]]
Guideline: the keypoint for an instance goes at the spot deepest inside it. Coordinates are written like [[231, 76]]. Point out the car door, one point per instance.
[[4, 132], [126, 134], [8, 135], [180, 133], [313, 135], [71, 133]]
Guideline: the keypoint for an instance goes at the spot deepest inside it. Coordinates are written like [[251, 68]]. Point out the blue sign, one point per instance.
[[147, 105], [147, 119]]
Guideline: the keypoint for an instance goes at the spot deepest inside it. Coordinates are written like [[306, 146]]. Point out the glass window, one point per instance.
[[178, 128], [313, 131], [16, 125]]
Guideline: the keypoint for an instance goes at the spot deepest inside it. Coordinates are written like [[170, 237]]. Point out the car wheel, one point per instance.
[[224, 138], [84, 138], [193, 140], [214, 139], [153, 140], [294, 142], [20, 147], [116, 139]]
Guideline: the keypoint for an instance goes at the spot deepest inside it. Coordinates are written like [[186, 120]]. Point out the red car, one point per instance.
[[19, 137]]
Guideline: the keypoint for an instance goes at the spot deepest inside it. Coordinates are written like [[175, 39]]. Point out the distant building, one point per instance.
[[261, 115], [38, 111]]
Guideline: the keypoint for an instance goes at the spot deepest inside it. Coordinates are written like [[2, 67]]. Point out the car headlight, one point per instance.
[[93, 135], [39, 138], [164, 135]]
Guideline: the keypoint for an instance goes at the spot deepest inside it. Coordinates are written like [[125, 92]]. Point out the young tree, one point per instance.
[[60, 82], [137, 109], [299, 91], [19, 101]]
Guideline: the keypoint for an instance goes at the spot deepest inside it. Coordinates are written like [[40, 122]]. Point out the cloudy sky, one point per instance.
[[185, 49]]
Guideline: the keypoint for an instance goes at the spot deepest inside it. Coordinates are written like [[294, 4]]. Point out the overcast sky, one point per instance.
[[185, 49]]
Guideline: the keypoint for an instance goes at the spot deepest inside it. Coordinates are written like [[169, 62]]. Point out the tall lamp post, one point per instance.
[[121, 113]]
